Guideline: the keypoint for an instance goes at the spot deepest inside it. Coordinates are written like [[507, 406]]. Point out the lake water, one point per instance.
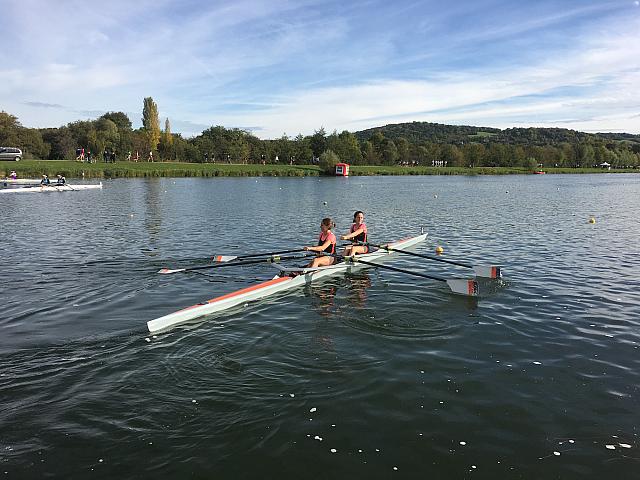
[[369, 375]]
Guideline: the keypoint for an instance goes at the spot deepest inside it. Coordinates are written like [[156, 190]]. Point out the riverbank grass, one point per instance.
[[72, 169]]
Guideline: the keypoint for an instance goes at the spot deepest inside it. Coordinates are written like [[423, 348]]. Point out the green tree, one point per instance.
[[389, 152], [120, 119], [452, 156], [302, 149], [346, 147], [369, 154], [30, 140], [328, 161], [63, 145], [473, 154], [319, 141], [9, 127], [166, 141], [151, 123], [433, 152], [403, 149]]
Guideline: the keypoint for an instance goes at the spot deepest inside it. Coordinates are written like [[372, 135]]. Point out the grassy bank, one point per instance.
[[71, 169], [35, 168]]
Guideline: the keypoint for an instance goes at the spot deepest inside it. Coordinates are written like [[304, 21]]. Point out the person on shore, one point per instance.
[[357, 233], [326, 244], [45, 181]]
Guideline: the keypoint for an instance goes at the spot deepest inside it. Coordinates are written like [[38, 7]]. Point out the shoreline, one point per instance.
[[73, 169]]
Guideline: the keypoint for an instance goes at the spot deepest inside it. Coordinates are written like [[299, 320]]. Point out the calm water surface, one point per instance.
[[369, 375]]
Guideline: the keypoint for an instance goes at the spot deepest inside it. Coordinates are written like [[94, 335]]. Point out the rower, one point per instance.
[[357, 233], [326, 244], [13, 175], [61, 180], [45, 180]]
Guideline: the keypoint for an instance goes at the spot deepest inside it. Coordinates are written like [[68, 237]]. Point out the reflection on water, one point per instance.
[[357, 288], [153, 213], [353, 290]]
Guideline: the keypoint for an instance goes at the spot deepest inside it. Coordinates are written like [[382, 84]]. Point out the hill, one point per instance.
[[423, 132]]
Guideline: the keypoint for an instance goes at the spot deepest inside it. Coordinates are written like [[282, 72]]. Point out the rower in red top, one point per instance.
[[357, 233], [326, 244]]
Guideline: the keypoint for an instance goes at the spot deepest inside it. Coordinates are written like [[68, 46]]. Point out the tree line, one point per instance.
[[415, 143]]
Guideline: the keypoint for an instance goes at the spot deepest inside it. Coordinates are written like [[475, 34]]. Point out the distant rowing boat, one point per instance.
[[20, 181], [50, 188], [304, 276]]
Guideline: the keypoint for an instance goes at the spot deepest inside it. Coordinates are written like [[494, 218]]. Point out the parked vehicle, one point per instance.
[[10, 153]]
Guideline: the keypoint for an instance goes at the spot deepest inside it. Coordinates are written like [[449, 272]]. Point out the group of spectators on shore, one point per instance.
[[108, 156]]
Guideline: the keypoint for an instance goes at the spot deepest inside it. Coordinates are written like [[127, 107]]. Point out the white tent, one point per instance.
[[605, 164]]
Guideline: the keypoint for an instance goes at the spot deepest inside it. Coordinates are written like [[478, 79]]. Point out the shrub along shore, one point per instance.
[[72, 169]]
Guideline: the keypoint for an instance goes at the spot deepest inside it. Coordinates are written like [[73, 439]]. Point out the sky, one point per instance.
[[283, 67]]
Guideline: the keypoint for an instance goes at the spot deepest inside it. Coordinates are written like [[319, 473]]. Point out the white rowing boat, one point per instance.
[[20, 181], [284, 282], [50, 188]]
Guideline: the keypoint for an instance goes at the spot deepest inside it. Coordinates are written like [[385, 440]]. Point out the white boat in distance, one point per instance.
[[20, 181], [50, 188], [286, 282]]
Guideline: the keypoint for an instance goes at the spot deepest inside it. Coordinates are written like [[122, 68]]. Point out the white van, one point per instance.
[[10, 153]]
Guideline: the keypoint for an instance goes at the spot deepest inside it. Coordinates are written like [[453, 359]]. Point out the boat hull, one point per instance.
[[271, 287], [20, 181], [51, 188]]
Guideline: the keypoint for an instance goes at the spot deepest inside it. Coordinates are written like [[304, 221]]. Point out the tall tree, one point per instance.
[[151, 123], [403, 149], [319, 141], [166, 140]]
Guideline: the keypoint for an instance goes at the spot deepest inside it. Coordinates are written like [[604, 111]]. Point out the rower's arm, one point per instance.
[[320, 248], [351, 235]]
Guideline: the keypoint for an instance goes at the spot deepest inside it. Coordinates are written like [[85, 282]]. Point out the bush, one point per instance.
[[328, 161]]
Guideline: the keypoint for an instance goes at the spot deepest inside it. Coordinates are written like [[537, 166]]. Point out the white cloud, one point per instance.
[[303, 68]]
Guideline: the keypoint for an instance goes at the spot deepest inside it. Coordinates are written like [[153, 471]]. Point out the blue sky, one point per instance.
[[287, 67]]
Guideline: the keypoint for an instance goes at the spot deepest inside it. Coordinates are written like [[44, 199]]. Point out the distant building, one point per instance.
[[342, 169]]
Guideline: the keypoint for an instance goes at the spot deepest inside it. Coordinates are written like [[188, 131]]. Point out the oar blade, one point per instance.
[[463, 286], [165, 271], [223, 258], [487, 271]]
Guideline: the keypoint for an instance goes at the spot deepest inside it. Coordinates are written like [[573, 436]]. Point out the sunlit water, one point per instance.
[[368, 375]]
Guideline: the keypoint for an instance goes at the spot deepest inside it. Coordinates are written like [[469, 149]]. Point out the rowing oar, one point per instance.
[[271, 259], [486, 271], [228, 258], [457, 285]]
